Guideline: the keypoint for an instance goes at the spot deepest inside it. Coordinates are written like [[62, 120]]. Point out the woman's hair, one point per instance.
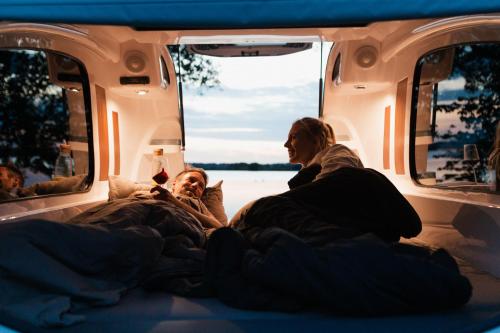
[[319, 130]]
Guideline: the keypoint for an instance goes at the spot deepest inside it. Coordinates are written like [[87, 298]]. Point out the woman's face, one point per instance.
[[301, 147]]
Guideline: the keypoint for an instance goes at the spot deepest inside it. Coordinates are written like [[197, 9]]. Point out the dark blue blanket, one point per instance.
[[50, 270], [333, 244], [359, 276]]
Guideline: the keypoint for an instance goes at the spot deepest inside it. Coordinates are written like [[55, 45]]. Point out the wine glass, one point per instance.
[[161, 177]]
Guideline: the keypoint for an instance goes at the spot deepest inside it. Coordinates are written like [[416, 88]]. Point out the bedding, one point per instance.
[[312, 247], [330, 244], [362, 276], [347, 203], [141, 311], [287, 253], [49, 270]]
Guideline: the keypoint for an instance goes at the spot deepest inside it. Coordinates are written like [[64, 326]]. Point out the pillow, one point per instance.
[[212, 198], [60, 185], [122, 188]]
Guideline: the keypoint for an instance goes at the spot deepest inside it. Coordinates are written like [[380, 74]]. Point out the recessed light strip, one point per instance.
[[247, 39]]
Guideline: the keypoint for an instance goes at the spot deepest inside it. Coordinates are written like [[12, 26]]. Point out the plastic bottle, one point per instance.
[[64, 166]]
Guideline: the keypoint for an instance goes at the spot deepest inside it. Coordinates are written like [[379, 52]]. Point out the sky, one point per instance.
[[247, 118]]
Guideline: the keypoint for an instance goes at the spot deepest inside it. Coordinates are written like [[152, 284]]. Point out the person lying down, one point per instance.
[[187, 190]]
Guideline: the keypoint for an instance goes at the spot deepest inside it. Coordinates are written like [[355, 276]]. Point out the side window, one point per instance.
[[44, 124], [455, 118]]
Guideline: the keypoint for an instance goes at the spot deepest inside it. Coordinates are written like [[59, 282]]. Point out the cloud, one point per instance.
[[269, 110], [281, 71], [232, 103], [210, 150], [454, 84], [215, 105], [287, 71]]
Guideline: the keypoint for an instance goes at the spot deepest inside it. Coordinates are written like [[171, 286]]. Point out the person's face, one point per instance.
[[191, 184], [301, 147], [6, 181]]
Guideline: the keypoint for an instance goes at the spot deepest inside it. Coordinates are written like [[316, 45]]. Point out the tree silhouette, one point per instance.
[[477, 107], [195, 69], [33, 112]]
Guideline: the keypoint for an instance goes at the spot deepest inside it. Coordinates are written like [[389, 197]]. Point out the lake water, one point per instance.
[[240, 187]]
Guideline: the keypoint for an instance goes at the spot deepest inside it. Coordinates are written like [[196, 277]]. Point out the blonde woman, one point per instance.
[[311, 143]]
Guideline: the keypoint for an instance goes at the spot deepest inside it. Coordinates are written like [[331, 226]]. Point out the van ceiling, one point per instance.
[[235, 14], [247, 50]]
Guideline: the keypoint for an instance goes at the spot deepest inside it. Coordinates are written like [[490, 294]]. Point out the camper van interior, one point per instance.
[[92, 100]]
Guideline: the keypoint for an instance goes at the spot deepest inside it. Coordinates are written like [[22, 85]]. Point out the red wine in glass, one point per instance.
[[161, 177]]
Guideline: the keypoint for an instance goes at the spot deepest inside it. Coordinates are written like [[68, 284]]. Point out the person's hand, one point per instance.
[[25, 192], [163, 194], [208, 221]]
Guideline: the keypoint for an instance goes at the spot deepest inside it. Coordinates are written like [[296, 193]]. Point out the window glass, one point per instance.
[[456, 118], [44, 143]]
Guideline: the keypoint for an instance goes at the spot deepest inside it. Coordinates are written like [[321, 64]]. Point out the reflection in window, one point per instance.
[[43, 127], [457, 117]]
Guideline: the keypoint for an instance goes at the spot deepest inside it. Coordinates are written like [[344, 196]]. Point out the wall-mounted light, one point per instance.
[[142, 92], [74, 89]]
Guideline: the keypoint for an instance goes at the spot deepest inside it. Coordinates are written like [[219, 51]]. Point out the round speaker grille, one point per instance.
[[366, 56], [135, 62]]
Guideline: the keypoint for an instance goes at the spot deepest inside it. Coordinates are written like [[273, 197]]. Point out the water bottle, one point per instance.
[[64, 163]]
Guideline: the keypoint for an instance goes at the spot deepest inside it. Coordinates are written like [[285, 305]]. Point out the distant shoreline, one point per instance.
[[247, 166]]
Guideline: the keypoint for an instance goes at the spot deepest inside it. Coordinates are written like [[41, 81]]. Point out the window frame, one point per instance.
[[89, 181], [413, 121]]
